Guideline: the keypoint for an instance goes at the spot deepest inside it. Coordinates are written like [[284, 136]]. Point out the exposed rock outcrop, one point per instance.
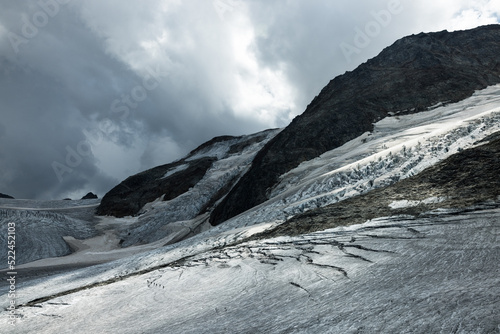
[[172, 180], [127, 198], [90, 196]]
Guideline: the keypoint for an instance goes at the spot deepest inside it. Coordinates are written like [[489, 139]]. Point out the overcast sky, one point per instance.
[[94, 91]]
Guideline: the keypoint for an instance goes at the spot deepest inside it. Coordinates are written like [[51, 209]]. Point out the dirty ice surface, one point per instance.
[[398, 275]]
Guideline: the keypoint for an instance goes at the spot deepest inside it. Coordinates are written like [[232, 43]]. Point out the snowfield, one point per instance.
[[431, 274], [396, 275]]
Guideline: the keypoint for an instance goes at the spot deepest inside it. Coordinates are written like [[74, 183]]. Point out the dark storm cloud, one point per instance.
[[74, 75], [50, 86], [94, 91]]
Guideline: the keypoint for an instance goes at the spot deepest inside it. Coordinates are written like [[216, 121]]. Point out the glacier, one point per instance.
[[435, 273]]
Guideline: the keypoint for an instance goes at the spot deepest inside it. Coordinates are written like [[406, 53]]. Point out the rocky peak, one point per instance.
[[127, 198], [90, 196], [172, 180]]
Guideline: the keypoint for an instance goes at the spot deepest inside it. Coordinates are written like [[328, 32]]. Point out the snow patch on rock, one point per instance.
[[412, 203], [175, 170]]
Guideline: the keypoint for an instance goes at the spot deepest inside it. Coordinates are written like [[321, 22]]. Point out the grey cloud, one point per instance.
[[48, 90], [67, 82], [305, 39]]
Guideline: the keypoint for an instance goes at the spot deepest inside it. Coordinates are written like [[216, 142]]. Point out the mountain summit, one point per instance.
[[412, 75]]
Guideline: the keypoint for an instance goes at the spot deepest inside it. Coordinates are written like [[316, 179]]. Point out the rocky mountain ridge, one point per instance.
[[415, 73], [90, 195], [172, 180]]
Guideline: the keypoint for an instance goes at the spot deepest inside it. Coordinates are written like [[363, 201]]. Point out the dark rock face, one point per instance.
[[131, 195], [90, 196], [6, 196], [413, 74], [174, 179]]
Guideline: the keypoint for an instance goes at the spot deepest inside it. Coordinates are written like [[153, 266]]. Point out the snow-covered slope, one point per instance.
[[41, 225], [415, 73], [180, 217], [399, 147], [40, 234], [390, 275], [47, 229]]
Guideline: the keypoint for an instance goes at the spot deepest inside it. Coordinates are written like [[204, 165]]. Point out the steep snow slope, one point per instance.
[[411, 75], [399, 146]]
